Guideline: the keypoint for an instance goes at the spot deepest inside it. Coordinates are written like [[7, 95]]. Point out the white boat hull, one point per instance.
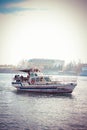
[[49, 88]]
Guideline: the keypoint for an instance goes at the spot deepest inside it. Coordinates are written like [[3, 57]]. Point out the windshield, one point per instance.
[[47, 79]]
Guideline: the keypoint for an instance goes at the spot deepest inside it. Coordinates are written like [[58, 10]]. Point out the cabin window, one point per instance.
[[37, 79], [35, 74], [47, 79], [33, 79], [32, 74]]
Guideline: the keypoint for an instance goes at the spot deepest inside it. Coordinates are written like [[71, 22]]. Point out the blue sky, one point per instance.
[[4, 2], [53, 29], [4, 8]]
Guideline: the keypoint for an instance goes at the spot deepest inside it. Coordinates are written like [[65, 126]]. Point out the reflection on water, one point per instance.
[[37, 111], [45, 95]]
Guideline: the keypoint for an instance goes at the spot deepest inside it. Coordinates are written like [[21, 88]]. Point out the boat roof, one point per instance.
[[30, 70]]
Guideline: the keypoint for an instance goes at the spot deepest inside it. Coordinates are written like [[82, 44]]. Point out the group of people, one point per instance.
[[21, 78]]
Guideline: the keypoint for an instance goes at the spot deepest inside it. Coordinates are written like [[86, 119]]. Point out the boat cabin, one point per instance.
[[40, 80], [33, 77], [34, 74]]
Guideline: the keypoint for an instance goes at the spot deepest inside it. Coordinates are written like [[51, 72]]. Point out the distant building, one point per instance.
[[83, 70], [7, 69], [47, 62]]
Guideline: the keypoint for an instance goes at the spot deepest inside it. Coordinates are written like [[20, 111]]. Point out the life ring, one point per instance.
[[32, 81]]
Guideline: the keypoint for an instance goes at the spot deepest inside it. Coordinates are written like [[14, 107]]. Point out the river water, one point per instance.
[[32, 111]]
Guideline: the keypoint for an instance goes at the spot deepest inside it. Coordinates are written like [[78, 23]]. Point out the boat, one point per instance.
[[36, 81]]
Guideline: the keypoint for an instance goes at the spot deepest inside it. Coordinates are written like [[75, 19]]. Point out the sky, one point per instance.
[[49, 29]]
